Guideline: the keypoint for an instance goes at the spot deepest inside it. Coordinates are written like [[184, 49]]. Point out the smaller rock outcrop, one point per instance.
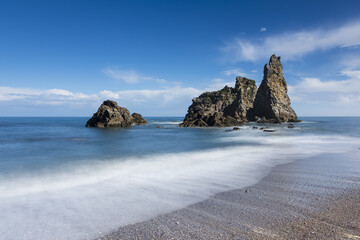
[[110, 114], [138, 119]]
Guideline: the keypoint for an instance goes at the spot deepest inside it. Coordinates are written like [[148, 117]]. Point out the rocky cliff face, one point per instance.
[[272, 103], [110, 114], [226, 107], [233, 106], [244, 103]]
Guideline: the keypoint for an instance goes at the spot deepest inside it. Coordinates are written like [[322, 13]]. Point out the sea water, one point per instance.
[[61, 180]]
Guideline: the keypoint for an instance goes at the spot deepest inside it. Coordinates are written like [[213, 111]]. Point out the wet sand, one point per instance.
[[316, 198]]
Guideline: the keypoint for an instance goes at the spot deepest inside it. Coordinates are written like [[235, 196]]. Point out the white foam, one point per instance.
[[308, 122], [79, 202]]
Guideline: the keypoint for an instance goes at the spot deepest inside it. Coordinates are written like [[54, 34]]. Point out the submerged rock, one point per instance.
[[110, 114], [272, 104], [226, 107], [269, 130]]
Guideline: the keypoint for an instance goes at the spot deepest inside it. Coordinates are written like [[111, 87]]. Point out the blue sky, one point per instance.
[[62, 58]]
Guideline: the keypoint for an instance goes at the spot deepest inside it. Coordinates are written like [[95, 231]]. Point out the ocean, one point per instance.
[[61, 180]]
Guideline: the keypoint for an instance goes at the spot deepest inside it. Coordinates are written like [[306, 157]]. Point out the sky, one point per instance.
[[63, 58]]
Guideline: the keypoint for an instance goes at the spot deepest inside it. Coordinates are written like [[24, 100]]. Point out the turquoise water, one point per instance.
[[79, 183]]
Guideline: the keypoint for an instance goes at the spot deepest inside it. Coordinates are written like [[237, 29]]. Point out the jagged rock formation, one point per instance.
[[243, 105], [233, 106], [226, 107], [272, 104], [138, 119], [110, 114]]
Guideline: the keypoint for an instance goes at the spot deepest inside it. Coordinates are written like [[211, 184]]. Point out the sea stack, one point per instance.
[[272, 104], [110, 114], [234, 106], [226, 107]]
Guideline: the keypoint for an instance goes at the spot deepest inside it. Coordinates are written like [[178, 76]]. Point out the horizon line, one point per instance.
[[164, 116]]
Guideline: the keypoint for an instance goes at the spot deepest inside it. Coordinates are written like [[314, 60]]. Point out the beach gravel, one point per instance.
[[317, 198]]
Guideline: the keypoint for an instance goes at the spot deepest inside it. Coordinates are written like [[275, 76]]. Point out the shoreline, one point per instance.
[[314, 198]]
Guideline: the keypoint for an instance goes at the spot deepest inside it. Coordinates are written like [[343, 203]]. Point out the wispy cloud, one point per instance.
[[56, 96], [48, 97], [350, 61], [263, 29], [292, 45], [315, 90], [341, 94], [171, 101], [234, 72], [129, 76], [144, 96], [217, 84]]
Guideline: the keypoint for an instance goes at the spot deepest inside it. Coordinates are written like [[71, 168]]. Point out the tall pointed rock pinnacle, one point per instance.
[[272, 102]]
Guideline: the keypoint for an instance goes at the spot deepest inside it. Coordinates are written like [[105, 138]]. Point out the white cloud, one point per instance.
[[129, 76], [350, 61], [354, 74], [263, 29], [60, 95], [59, 92], [217, 84], [342, 95], [47, 97], [234, 72], [126, 76], [349, 99], [292, 45], [314, 90], [147, 98], [59, 102], [164, 95]]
